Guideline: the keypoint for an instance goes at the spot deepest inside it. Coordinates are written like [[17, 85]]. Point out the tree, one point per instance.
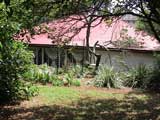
[[86, 9], [147, 10], [15, 58]]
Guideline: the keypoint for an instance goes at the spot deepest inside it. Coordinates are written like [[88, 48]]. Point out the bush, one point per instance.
[[75, 71], [76, 83], [28, 90], [15, 59], [137, 77], [154, 83], [43, 74], [107, 77], [70, 81], [56, 81], [40, 73]]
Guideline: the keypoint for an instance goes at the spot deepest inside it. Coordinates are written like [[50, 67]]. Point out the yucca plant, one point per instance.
[[107, 77], [138, 77]]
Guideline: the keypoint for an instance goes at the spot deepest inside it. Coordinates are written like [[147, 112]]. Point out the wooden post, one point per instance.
[[36, 55], [65, 59], [42, 55], [59, 58], [57, 62]]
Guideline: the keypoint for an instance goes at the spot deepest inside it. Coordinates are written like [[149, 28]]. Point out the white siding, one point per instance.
[[115, 58], [131, 59]]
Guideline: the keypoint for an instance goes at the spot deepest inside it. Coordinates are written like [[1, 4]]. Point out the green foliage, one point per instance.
[[14, 61], [69, 80], [76, 83], [15, 15], [40, 73], [137, 77], [28, 90], [56, 81], [142, 76], [107, 77], [125, 40], [75, 71], [45, 74], [70, 77], [154, 83], [143, 26]]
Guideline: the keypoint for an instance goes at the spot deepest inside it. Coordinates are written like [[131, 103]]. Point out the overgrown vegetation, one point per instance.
[[154, 82], [45, 74], [15, 59], [141, 76], [142, 25], [41, 73], [14, 56], [137, 77], [107, 77], [144, 77]]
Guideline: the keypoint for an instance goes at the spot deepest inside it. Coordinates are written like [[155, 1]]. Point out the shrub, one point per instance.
[[69, 80], [107, 77], [40, 73], [14, 61], [154, 83], [56, 81], [43, 74], [137, 77], [28, 90], [76, 83], [75, 71]]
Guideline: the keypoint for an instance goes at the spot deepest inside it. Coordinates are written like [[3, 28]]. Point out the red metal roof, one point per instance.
[[73, 32]]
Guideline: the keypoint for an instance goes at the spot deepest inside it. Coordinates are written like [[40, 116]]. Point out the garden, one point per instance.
[[39, 92]]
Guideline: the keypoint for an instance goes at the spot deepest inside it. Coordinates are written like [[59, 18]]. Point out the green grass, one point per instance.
[[71, 103], [67, 95], [59, 95]]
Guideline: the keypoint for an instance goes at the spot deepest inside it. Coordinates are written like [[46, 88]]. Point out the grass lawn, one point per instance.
[[81, 103]]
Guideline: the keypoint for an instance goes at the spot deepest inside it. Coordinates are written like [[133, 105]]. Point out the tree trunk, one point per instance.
[[87, 41]]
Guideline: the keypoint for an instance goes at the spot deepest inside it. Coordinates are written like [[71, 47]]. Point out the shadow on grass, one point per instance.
[[130, 108]]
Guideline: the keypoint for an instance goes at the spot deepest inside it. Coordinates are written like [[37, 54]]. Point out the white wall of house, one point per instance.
[[116, 59], [131, 59], [121, 60]]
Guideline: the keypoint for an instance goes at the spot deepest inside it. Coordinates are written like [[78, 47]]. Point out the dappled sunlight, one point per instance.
[[134, 105]]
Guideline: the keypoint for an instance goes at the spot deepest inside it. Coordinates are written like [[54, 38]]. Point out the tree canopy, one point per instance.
[[147, 10]]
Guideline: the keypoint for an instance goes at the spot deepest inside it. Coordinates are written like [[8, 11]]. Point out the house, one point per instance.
[[63, 41]]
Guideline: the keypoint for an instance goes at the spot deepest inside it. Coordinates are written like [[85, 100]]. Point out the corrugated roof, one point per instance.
[[72, 30]]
